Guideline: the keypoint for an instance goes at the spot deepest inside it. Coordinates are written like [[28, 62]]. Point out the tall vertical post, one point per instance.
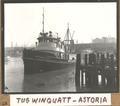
[[86, 59], [113, 73], [102, 61], [98, 58], [77, 74]]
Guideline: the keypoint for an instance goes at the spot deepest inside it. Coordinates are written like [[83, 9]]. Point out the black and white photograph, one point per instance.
[[60, 47]]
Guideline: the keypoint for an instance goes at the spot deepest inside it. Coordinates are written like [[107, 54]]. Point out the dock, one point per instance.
[[98, 73]]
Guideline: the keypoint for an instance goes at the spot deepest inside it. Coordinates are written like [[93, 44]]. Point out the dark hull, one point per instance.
[[32, 65]]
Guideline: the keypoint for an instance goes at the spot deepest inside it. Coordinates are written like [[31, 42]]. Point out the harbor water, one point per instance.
[[53, 81], [14, 74]]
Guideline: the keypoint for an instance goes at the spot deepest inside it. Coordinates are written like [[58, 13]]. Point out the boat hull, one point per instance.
[[42, 65]]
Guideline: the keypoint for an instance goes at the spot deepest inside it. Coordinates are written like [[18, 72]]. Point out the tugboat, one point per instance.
[[50, 53]]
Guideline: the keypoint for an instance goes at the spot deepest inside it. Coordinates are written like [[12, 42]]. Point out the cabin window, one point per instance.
[[51, 40], [48, 41]]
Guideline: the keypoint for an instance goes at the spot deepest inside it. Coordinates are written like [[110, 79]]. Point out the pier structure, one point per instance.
[[96, 72]]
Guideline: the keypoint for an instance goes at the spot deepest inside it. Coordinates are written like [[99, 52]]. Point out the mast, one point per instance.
[[43, 21], [67, 36], [68, 33]]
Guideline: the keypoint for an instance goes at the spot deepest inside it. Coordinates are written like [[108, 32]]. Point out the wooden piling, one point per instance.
[[96, 64], [77, 73]]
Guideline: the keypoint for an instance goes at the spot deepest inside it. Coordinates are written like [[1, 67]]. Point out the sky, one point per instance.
[[23, 21]]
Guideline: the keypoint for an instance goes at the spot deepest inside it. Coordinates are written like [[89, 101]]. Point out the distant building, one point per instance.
[[104, 40]]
